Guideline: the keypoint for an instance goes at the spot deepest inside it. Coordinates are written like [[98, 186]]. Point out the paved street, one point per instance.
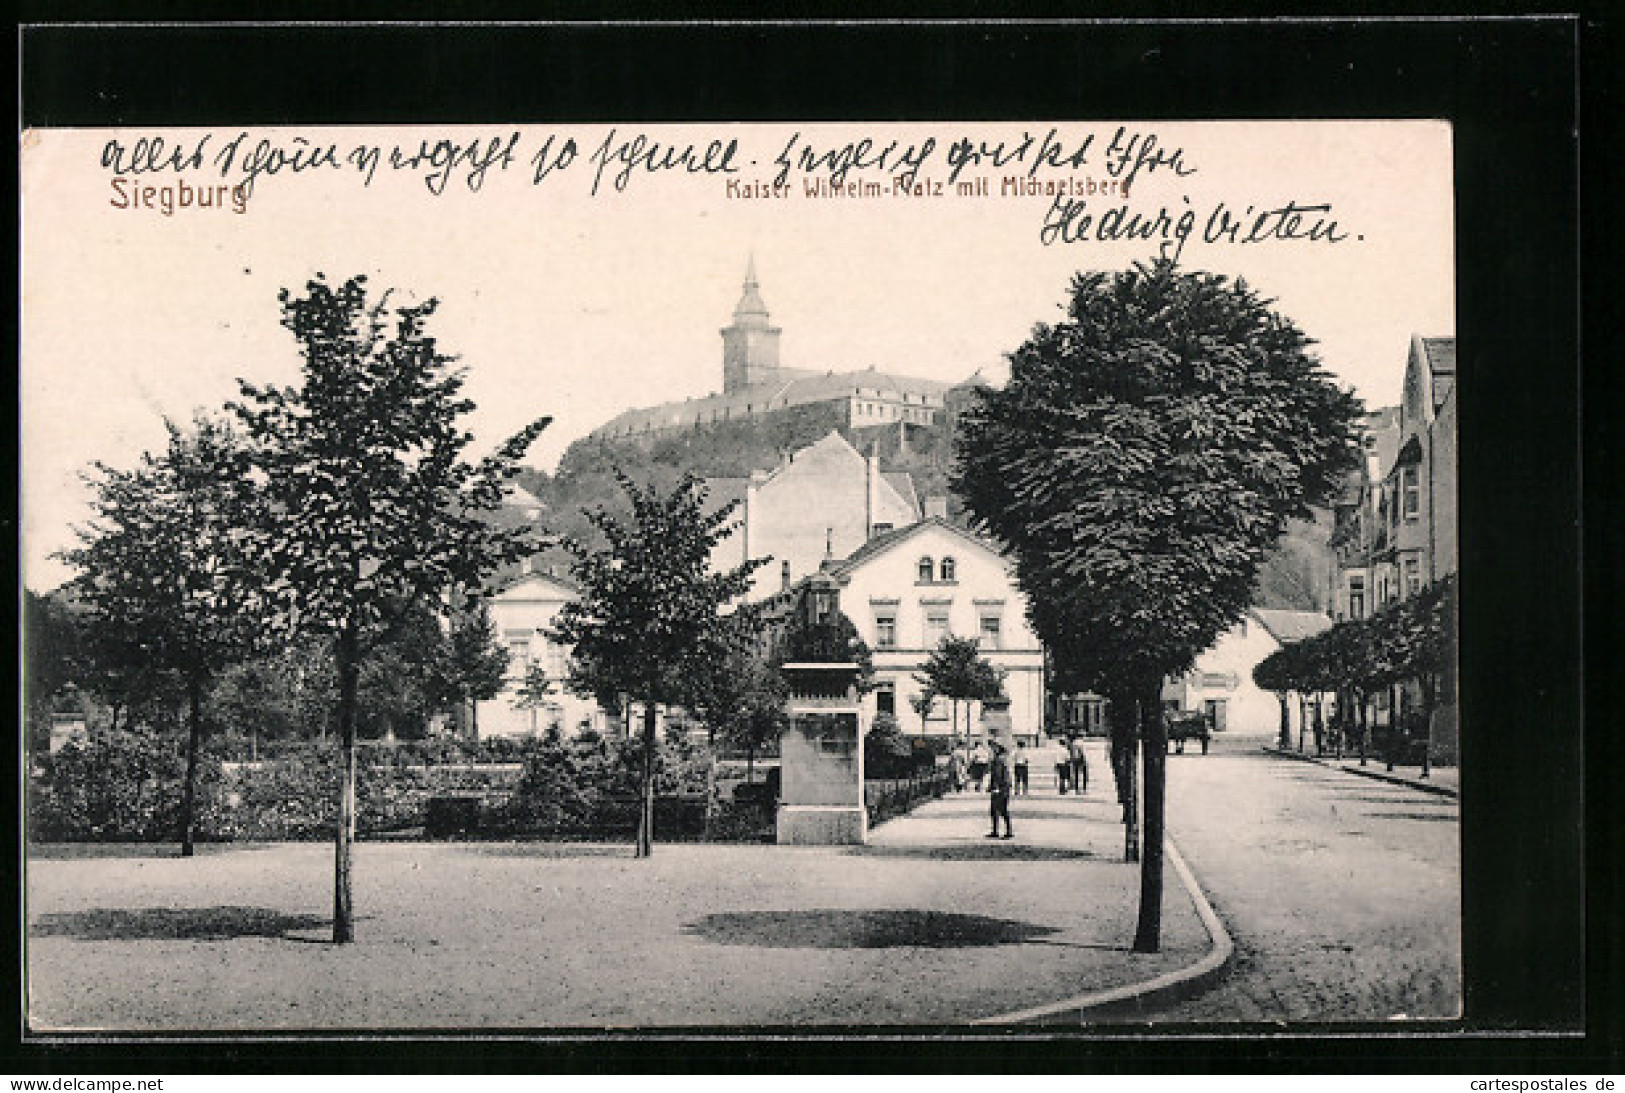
[[1342, 893]]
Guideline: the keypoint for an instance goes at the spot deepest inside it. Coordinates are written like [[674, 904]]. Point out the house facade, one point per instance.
[[822, 503], [907, 589], [521, 613], [1220, 684], [1395, 527]]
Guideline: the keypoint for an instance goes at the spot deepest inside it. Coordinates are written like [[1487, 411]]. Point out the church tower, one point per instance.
[[750, 347]]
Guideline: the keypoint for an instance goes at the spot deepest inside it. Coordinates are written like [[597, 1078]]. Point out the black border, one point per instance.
[[1509, 87]]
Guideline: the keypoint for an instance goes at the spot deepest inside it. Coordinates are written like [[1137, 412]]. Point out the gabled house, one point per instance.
[[823, 502], [521, 612], [908, 588], [1220, 684]]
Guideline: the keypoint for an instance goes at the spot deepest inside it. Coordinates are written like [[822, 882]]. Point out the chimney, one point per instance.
[[936, 508], [871, 492]]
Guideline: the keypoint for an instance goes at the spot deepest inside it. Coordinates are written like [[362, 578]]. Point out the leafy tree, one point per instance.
[[167, 575], [1145, 455], [55, 660], [743, 701], [1281, 673], [835, 639], [470, 666], [371, 507], [652, 616], [957, 671]]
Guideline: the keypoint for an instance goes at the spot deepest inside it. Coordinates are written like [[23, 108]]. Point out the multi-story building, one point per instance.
[[1395, 527], [907, 589], [755, 384], [1358, 580], [522, 613], [821, 503]]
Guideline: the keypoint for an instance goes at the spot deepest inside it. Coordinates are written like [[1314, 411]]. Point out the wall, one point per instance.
[[519, 614], [1250, 712], [888, 581]]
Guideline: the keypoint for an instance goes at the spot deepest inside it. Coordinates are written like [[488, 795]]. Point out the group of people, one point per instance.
[[1007, 772]]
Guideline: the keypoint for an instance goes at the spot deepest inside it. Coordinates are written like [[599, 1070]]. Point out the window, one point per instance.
[[1357, 597], [882, 528], [1410, 483], [948, 569], [885, 700], [936, 628], [1413, 577], [992, 632], [518, 643], [558, 660], [885, 631], [927, 569]]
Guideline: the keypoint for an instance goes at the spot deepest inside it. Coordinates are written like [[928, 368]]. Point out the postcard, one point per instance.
[[986, 394]]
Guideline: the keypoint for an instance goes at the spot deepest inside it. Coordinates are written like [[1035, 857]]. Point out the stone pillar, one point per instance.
[[821, 758]]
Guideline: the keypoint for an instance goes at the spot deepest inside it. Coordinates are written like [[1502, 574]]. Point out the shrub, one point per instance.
[[117, 787], [887, 753]]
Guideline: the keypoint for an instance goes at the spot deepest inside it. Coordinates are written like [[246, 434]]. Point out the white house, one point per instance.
[[522, 612], [906, 589], [824, 501], [1221, 683]]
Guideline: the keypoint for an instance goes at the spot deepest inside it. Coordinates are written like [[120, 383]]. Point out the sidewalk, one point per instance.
[[1445, 781], [932, 924]]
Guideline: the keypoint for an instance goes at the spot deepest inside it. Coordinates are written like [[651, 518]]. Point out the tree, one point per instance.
[[957, 671], [167, 574], [371, 507], [54, 661], [469, 666], [1145, 454], [652, 618], [744, 702]]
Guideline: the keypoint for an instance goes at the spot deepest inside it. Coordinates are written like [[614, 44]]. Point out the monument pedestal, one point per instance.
[[821, 760]]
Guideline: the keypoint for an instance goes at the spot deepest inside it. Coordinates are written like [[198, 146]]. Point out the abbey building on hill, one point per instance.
[[755, 384]]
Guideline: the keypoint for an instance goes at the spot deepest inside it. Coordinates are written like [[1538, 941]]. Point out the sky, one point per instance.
[[562, 301]]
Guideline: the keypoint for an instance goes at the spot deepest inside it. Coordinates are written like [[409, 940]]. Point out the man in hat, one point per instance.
[[998, 787]]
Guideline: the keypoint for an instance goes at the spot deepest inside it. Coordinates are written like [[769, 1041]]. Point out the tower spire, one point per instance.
[[750, 344]]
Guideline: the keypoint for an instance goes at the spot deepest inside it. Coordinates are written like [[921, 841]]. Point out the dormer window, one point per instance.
[[947, 569], [927, 570]]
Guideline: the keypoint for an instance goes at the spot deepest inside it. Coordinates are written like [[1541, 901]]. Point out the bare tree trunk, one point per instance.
[[1154, 748], [1393, 724], [349, 673], [1428, 702], [1365, 726], [1286, 721], [194, 734], [646, 811]]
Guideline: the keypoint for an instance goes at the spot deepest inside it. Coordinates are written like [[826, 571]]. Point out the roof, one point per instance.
[[903, 483], [513, 581], [887, 540], [519, 497], [794, 387], [1285, 626], [1441, 355]]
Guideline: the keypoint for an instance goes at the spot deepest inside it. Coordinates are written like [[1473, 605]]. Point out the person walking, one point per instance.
[[957, 762], [998, 787], [1019, 762], [1080, 765], [1063, 764], [979, 756]]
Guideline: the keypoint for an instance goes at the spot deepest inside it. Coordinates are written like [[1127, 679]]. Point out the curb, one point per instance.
[[1174, 986], [1378, 775]]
